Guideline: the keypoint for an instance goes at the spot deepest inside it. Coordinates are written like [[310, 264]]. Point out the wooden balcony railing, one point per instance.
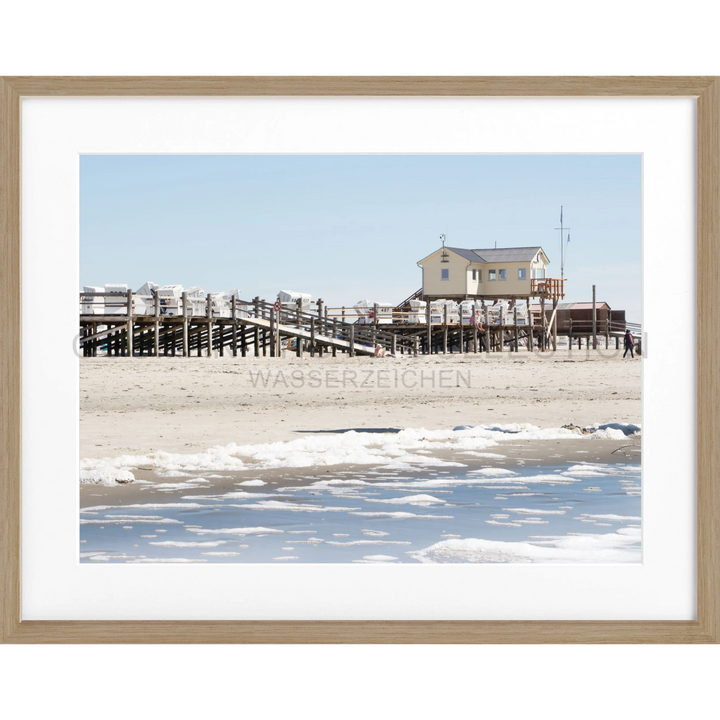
[[549, 288]]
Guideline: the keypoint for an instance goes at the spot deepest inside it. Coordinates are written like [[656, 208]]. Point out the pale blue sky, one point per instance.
[[350, 227]]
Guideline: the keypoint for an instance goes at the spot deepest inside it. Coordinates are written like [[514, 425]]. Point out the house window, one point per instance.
[[445, 274], [522, 274], [503, 274], [479, 275], [538, 273], [474, 274], [492, 275]]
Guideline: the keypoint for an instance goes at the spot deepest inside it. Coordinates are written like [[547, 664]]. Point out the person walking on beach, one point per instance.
[[629, 344]]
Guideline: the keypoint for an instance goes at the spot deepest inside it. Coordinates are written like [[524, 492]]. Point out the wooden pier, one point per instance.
[[115, 324]]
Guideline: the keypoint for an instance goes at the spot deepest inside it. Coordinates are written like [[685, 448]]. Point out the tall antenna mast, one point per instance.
[[562, 245], [562, 251]]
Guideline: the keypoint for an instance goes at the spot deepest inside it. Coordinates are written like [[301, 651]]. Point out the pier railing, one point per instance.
[[128, 324]]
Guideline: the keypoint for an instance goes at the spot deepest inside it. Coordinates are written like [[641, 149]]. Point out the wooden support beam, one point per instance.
[[487, 329], [445, 331], [531, 339], [130, 323], [208, 312], [299, 341], [594, 321], [352, 341], [517, 332], [272, 331], [501, 317], [185, 328], [234, 326], [256, 333], [428, 317], [320, 324]]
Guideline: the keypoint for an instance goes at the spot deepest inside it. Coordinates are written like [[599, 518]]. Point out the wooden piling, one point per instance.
[[321, 330], [208, 310], [352, 341], [517, 332], [185, 344], [428, 315], [298, 341], [273, 334], [501, 329], [156, 327], [487, 328], [130, 323], [594, 321], [256, 333], [445, 330], [531, 338], [234, 325]]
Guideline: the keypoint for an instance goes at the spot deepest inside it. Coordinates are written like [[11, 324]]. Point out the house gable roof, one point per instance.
[[494, 255]]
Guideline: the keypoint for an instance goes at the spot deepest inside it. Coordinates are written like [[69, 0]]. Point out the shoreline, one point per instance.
[[170, 487]]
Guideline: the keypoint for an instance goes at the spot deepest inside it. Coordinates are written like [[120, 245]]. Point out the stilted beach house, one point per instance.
[[488, 274]]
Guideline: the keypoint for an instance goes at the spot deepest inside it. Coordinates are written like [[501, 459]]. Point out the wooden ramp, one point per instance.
[[309, 335]]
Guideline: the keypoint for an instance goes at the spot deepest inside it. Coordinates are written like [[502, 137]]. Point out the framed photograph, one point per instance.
[[400, 360]]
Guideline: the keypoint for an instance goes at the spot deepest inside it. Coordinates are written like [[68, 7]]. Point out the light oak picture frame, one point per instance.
[[705, 629]]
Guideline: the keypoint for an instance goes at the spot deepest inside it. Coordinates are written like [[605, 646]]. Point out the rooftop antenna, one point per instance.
[[444, 255], [562, 245]]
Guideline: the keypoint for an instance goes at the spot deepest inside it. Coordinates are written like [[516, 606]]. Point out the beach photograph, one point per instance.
[[362, 359]]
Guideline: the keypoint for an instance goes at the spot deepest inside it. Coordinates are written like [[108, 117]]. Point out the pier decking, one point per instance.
[[117, 324]]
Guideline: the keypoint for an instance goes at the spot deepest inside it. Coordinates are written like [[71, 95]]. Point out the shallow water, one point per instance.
[[568, 512]]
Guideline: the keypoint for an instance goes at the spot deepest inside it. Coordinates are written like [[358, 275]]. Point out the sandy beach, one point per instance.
[[188, 404]]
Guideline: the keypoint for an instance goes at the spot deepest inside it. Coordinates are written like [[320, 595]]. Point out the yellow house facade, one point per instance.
[[458, 273]]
